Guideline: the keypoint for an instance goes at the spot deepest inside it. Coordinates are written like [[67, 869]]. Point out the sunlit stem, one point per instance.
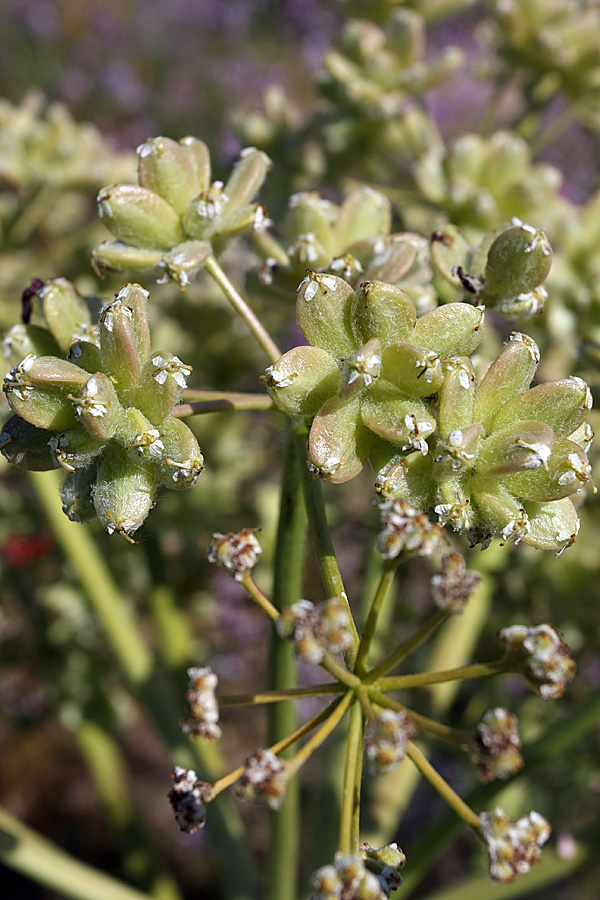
[[201, 402], [321, 537], [451, 735], [404, 650], [350, 816], [275, 696], [330, 724], [239, 304], [381, 593], [340, 673], [442, 787], [463, 673], [223, 783], [257, 595]]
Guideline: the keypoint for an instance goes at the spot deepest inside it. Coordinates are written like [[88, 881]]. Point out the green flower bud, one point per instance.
[[200, 220], [451, 330], [65, 310], [124, 491], [393, 259], [181, 462], [23, 340], [449, 252], [44, 404], [139, 436], [566, 469], [561, 404], [338, 441], [310, 219], [507, 377], [162, 381], [138, 216], [416, 371], [124, 337], [75, 448], [76, 493], [115, 256], [364, 214], [525, 445], [360, 370], [401, 421], [166, 169], [97, 406], [198, 154], [302, 380], [247, 177], [383, 311], [456, 453], [26, 446], [457, 396], [86, 355], [323, 310], [518, 261], [183, 262]]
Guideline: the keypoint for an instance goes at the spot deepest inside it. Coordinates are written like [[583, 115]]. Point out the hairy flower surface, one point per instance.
[[370, 874], [452, 587], [236, 553], [370, 375], [494, 748], [505, 458], [316, 628], [265, 777], [513, 847], [101, 414], [548, 666], [386, 737], [171, 222], [187, 798], [204, 708]]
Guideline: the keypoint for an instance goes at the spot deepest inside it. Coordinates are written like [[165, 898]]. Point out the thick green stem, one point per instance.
[[38, 858], [200, 402], [463, 673], [442, 787], [239, 304], [321, 537], [383, 588], [404, 650], [135, 660], [282, 718], [349, 822]]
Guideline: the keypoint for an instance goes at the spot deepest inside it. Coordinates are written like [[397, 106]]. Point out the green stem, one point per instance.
[[200, 402], [239, 304], [259, 598], [288, 575], [276, 696], [442, 787], [404, 650], [135, 660], [38, 858], [349, 821], [321, 537], [331, 723], [463, 673], [381, 593]]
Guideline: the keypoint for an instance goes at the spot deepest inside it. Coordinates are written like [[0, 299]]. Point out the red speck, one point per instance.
[[20, 550]]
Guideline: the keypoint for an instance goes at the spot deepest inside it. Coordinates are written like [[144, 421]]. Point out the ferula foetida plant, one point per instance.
[[415, 350]]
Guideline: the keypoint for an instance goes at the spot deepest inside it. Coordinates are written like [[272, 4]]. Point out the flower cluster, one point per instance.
[[386, 737], [370, 874], [453, 586], [187, 798], [547, 665], [175, 218], [513, 847], [265, 776], [494, 748], [316, 628], [236, 553], [204, 708], [407, 532], [104, 413]]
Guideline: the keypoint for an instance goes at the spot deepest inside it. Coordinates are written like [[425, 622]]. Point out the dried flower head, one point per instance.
[[548, 666], [513, 847], [494, 748], [265, 776], [236, 553], [187, 797], [453, 586], [204, 709], [406, 531], [385, 740], [316, 628]]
